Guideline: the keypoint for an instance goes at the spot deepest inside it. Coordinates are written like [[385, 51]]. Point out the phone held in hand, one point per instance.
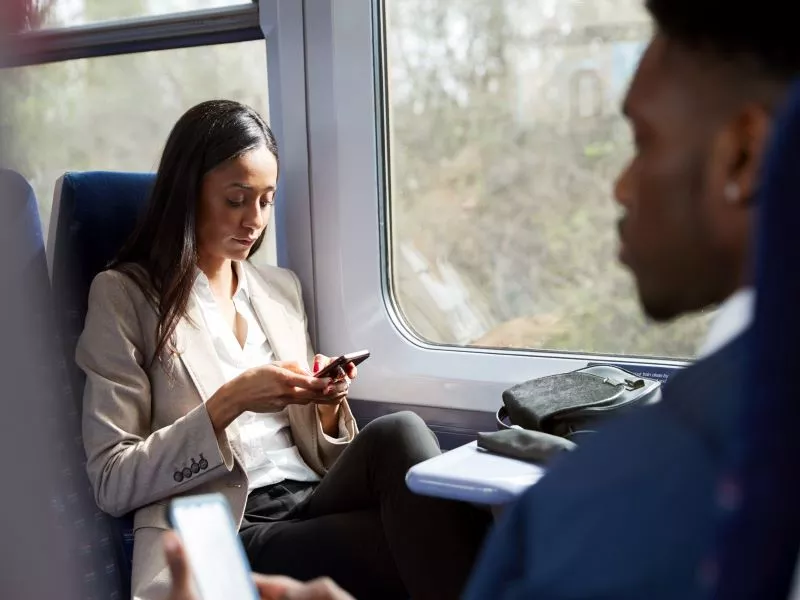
[[216, 556], [332, 367]]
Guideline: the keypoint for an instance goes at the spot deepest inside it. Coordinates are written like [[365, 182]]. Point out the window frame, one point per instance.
[[188, 29], [353, 306], [325, 68]]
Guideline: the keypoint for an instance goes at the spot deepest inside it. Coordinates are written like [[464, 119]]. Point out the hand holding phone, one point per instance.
[[331, 369], [216, 556]]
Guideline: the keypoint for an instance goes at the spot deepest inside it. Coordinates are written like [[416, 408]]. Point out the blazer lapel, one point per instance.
[[197, 352], [273, 318]]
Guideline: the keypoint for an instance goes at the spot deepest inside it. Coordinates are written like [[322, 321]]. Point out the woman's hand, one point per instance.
[[270, 388], [329, 412], [321, 361]]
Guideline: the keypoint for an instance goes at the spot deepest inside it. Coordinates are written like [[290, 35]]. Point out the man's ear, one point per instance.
[[750, 133]]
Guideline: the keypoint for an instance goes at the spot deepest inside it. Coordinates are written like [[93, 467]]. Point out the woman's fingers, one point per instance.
[[292, 379], [337, 388], [351, 371], [333, 393], [293, 366], [320, 362]]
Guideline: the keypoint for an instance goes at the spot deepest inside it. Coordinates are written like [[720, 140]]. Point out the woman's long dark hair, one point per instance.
[[161, 254]]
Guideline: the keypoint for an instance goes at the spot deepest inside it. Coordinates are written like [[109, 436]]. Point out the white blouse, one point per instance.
[[270, 455]]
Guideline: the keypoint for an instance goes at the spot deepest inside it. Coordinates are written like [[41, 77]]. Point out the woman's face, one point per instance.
[[235, 203]]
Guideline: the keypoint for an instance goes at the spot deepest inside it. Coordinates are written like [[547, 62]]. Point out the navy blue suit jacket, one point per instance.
[[632, 513]]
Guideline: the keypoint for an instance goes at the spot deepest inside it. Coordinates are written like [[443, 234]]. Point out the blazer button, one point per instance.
[[187, 472], [194, 466], [178, 476], [203, 463]]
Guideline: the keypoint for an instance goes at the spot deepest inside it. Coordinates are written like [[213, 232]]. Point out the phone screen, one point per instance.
[[216, 556]]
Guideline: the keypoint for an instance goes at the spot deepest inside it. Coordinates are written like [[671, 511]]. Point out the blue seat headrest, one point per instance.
[[96, 213]]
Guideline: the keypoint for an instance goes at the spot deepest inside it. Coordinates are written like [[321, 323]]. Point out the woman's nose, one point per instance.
[[254, 217]]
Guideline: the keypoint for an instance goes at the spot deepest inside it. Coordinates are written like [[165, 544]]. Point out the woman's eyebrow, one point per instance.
[[247, 187]]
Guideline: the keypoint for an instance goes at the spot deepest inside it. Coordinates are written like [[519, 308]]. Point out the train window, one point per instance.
[[115, 112], [504, 137], [45, 14]]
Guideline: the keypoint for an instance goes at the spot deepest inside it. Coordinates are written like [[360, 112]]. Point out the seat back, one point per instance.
[[93, 215], [33, 372], [760, 544]]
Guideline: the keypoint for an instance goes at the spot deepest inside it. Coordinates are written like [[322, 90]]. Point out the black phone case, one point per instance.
[[339, 361]]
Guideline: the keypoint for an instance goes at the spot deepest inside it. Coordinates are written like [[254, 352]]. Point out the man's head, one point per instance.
[[700, 105]]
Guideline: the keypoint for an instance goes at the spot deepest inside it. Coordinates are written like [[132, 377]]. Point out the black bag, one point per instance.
[[566, 405]]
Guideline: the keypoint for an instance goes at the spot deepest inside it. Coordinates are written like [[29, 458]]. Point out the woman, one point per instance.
[[198, 381]]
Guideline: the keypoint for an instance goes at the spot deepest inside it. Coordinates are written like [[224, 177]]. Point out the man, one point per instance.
[[632, 512]]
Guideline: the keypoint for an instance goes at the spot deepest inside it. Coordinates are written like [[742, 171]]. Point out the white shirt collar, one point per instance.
[[732, 318], [241, 277], [202, 286]]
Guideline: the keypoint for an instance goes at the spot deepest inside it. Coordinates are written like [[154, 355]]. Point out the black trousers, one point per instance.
[[362, 527]]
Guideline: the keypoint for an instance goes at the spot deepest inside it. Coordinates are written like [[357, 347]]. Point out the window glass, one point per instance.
[[42, 14], [114, 113], [505, 137]]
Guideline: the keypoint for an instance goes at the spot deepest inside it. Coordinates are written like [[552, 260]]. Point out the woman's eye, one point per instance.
[[265, 202], [235, 203]]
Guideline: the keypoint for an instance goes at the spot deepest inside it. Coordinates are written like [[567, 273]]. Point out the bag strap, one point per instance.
[[502, 420], [500, 417]]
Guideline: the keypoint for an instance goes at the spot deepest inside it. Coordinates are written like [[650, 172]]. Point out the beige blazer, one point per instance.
[[143, 426]]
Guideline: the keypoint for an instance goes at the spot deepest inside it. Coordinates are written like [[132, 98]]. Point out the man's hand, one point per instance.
[[269, 588], [285, 588], [178, 568]]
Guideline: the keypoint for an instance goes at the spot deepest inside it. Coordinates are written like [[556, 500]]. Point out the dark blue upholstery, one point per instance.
[[30, 314], [96, 214], [760, 546]]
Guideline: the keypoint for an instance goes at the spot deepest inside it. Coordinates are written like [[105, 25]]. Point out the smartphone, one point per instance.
[[216, 556], [340, 361]]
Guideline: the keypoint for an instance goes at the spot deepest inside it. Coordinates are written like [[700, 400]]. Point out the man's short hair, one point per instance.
[[763, 35]]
